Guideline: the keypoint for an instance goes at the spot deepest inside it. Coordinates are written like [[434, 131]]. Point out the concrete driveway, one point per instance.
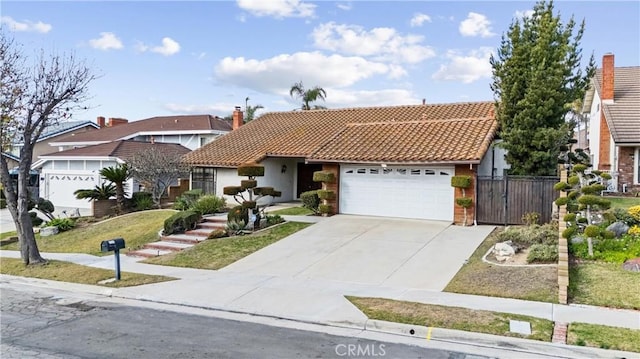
[[388, 252]]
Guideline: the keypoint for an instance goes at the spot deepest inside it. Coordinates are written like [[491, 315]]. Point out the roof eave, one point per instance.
[[394, 163]]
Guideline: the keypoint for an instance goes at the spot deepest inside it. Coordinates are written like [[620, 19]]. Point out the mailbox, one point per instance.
[[112, 245]]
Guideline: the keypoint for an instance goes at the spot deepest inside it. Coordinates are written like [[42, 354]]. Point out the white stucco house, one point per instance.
[[389, 161]]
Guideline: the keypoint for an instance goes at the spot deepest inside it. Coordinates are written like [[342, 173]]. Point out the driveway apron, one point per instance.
[[388, 252]]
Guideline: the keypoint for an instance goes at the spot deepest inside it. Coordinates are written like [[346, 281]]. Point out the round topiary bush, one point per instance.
[[263, 191], [248, 183], [592, 231], [461, 181]]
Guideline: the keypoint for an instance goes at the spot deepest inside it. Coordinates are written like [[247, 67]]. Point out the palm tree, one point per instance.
[[118, 175], [308, 95], [250, 111], [104, 191]]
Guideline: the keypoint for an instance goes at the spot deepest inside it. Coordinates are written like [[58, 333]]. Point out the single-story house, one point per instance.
[[64, 172], [191, 131], [389, 161], [612, 106]]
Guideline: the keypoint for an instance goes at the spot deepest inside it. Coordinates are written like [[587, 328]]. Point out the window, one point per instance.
[[444, 173], [387, 171], [415, 172], [373, 171], [361, 171], [401, 171], [429, 172], [204, 178], [349, 171]]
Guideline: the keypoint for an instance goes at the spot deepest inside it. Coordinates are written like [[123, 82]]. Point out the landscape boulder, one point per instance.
[[48, 231], [619, 228]]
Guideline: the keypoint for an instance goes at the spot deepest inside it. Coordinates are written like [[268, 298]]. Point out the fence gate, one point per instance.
[[503, 200]]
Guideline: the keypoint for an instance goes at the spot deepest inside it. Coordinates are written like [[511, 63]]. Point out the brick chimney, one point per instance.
[[607, 78], [238, 118], [101, 122], [115, 121]]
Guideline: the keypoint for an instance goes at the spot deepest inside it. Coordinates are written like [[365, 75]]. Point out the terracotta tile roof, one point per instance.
[[426, 141], [153, 124], [301, 133], [122, 149], [623, 115]]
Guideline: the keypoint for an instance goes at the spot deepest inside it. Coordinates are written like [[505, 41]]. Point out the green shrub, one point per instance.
[[324, 176], [238, 213], [325, 208], [592, 231], [325, 194], [265, 191], [610, 250], [3, 203], [569, 232], [464, 202], [461, 181], [209, 204], [569, 217], [561, 186], [530, 218], [232, 190], [63, 224], [251, 170], [142, 201], [562, 201], [273, 219], [187, 199], [181, 222], [249, 204], [542, 253], [248, 183], [310, 200], [527, 236], [623, 215]]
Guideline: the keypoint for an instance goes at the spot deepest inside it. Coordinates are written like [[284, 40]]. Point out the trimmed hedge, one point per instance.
[[324, 208], [248, 183], [263, 191], [232, 190], [182, 221], [251, 170], [249, 204], [542, 253], [464, 202], [324, 176], [325, 194], [310, 200], [461, 181]]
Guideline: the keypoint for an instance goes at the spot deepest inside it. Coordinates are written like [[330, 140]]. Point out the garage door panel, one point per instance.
[[408, 192], [60, 189]]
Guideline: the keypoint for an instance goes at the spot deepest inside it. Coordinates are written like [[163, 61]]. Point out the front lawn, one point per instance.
[[293, 211], [136, 228], [604, 284], [623, 202], [480, 278], [439, 316], [76, 273], [601, 336], [218, 253]]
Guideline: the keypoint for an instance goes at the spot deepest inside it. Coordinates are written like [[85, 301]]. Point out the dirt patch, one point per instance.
[[520, 258]]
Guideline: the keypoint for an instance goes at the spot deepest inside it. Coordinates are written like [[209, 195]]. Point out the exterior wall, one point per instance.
[[335, 187], [458, 212], [627, 169], [192, 141], [493, 163], [594, 130], [65, 165], [227, 177], [604, 156]]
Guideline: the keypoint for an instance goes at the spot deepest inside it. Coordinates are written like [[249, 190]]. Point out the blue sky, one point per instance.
[[159, 58]]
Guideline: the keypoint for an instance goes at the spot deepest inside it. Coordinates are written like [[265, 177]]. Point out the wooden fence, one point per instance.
[[503, 200]]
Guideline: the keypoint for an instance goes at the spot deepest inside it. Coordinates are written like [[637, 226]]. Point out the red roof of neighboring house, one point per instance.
[[153, 124], [122, 149]]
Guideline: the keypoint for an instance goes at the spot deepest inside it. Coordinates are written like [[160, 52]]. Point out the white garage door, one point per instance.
[[408, 192], [59, 189]]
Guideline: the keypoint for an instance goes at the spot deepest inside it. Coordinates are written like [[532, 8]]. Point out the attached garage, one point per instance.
[[421, 192], [59, 188]]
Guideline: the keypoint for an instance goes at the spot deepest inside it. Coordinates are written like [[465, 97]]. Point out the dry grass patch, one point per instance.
[[604, 284], [136, 228], [219, 253], [75, 273], [605, 337], [480, 278], [430, 315]]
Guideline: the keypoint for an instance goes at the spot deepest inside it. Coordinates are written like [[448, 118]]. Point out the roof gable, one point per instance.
[[303, 133], [119, 149]]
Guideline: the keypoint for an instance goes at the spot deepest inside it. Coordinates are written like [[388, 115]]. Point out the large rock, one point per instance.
[[503, 250], [48, 231], [619, 228], [632, 265]]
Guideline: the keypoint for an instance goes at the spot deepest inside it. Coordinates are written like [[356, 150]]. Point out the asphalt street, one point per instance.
[[38, 325]]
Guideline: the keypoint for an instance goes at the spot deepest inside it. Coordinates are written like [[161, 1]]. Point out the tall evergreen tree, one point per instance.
[[537, 76]]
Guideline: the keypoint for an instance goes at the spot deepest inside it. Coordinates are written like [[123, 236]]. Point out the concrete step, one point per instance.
[[168, 246], [200, 232], [184, 238], [215, 219], [148, 253]]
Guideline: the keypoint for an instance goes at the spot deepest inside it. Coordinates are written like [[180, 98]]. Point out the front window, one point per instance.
[[204, 178]]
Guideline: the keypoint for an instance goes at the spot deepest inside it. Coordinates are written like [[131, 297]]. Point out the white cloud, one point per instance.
[[345, 6], [214, 109], [337, 98], [275, 75], [466, 68], [522, 14], [278, 8], [418, 19], [26, 25], [169, 47], [382, 43], [106, 41], [476, 25]]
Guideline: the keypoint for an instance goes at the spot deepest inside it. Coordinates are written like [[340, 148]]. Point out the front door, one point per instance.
[[305, 178]]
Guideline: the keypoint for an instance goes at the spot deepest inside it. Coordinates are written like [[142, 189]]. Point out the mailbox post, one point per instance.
[[114, 245]]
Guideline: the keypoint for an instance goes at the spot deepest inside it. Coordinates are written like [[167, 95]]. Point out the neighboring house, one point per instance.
[[53, 133], [12, 160], [64, 172], [389, 161], [612, 105], [191, 131]]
